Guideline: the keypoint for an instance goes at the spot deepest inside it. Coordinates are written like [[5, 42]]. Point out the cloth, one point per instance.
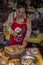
[[17, 28]]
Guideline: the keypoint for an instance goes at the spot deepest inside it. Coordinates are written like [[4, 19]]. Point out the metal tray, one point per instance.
[[35, 60]]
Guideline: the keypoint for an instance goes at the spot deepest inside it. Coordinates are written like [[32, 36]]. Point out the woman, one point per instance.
[[19, 26]]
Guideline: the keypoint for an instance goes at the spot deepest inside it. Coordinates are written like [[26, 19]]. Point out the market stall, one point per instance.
[[17, 55]]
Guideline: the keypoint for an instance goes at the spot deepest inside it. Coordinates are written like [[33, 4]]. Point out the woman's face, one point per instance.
[[20, 12]]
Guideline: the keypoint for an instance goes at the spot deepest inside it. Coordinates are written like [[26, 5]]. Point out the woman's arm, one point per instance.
[[9, 22], [29, 29]]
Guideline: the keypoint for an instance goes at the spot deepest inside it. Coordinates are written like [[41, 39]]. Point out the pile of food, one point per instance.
[[13, 62], [27, 62], [14, 49], [34, 50], [4, 60], [26, 59], [9, 49]]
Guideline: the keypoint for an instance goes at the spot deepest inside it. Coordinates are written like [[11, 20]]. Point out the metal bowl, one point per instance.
[[35, 60]]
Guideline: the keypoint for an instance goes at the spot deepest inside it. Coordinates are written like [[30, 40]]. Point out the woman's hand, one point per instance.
[[15, 34], [24, 43]]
